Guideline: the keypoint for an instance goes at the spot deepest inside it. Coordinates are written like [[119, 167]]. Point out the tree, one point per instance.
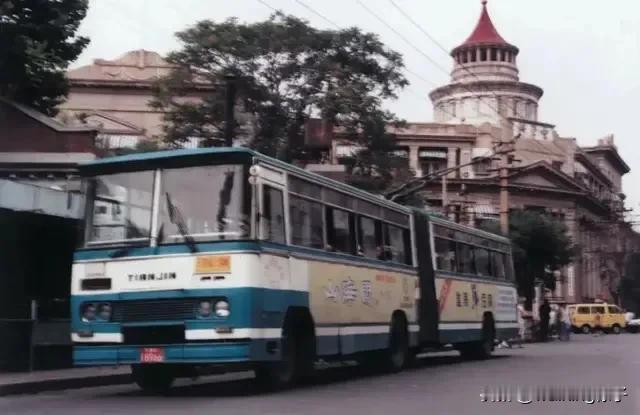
[[285, 72], [540, 245], [37, 43]]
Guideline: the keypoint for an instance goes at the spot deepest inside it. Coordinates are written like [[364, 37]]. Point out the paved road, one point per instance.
[[442, 384]]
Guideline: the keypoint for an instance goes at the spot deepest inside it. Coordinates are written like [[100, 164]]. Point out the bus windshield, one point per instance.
[[195, 203], [121, 207], [207, 202]]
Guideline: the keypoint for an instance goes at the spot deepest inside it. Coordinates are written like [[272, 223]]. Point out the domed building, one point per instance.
[[485, 83]]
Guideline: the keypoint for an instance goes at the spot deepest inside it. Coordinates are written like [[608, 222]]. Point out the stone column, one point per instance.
[[451, 161], [499, 56], [477, 52], [465, 157], [413, 160]]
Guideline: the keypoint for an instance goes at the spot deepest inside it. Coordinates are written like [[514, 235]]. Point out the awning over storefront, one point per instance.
[[22, 197]]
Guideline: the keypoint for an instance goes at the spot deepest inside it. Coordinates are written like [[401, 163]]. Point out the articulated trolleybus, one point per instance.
[[226, 259]]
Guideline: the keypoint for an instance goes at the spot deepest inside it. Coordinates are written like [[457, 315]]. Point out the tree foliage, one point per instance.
[[37, 43], [285, 72], [540, 244]]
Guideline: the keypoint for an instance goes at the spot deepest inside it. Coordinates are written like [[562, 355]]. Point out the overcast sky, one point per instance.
[[585, 54]]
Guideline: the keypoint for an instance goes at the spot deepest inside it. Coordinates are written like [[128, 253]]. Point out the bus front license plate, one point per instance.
[[151, 355]]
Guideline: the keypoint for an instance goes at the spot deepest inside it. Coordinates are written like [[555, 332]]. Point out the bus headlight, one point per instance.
[[204, 309], [88, 312], [104, 311], [222, 309]]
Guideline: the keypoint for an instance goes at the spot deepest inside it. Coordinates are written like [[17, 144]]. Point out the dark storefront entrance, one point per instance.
[[35, 267]]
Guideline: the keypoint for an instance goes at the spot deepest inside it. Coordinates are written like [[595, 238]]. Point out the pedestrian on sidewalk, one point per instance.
[[566, 324], [553, 321], [544, 311], [523, 315]]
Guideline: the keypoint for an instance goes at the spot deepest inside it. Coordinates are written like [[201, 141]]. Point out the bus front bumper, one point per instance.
[[188, 353]]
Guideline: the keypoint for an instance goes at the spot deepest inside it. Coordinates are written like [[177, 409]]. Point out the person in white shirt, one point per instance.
[[553, 320]]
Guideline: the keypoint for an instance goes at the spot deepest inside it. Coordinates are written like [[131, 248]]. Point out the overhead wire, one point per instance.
[[395, 193], [435, 41], [421, 52]]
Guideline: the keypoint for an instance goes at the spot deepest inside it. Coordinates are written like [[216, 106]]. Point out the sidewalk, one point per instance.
[[50, 380]]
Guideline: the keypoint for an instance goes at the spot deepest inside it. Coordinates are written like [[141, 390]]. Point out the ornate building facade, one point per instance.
[[486, 103]]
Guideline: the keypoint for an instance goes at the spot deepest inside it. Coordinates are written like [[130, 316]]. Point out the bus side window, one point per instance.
[[498, 264], [466, 262], [445, 254], [306, 222], [340, 230], [273, 215], [508, 263], [397, 244], [369, 237], [483, 265]]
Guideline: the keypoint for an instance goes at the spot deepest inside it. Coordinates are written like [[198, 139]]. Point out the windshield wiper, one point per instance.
[[175, 216]]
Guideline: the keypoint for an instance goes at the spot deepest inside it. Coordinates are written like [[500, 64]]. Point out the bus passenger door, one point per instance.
[[274, 258], [428, 304]]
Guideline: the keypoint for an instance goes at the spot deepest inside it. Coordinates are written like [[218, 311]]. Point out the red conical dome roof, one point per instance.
[[485, 32]]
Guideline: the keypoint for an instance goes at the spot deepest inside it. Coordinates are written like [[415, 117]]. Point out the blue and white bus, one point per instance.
[[225, 258]]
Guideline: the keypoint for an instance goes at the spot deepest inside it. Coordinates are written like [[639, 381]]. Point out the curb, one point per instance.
[[62, 384]]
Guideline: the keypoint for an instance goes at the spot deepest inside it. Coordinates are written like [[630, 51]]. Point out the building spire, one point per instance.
[[485, 32]]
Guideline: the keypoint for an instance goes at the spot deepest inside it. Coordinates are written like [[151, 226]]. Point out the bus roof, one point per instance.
[[147, 160], [138, 161], [166, 154]]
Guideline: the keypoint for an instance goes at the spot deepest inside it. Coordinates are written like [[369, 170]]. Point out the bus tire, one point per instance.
[[616, 329], [297, 354], [585, 329], [397, 354], [154, 379], [480, 350]]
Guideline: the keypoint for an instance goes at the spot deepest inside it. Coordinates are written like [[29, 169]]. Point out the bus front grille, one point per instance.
[[154, 310], [155, 335]]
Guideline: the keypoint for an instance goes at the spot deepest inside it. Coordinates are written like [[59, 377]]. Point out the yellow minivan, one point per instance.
[[588, 317]]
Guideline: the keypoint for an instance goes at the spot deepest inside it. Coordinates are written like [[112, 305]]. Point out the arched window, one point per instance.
[[483, 54], [494, 54]]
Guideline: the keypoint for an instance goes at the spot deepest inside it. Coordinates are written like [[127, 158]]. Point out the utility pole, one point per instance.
[[507, 135], [445, 202], [229, 109], [504, 197]]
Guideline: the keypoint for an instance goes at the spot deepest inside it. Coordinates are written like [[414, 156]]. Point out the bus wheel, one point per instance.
[[155, 379], [616, 329], [297, 356], [586, 329], [480, 349], [397, 355]]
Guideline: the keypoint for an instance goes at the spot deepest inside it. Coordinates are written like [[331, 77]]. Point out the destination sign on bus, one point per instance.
[[161, 276]]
